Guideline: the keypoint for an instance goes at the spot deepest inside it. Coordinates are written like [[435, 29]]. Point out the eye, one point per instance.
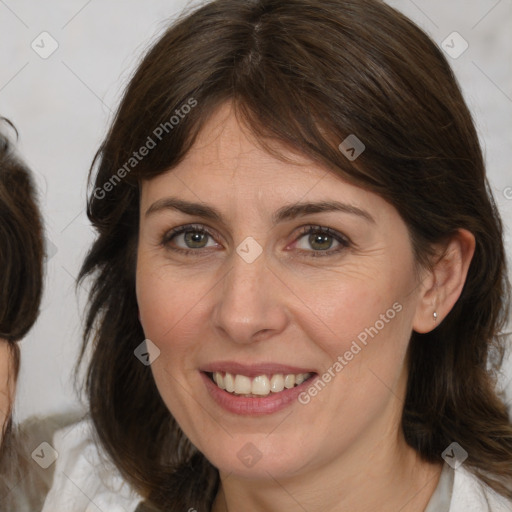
[[321, 239], [187, 239], [190, 238]]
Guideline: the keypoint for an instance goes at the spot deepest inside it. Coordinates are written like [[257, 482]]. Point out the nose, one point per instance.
[[251, 303]]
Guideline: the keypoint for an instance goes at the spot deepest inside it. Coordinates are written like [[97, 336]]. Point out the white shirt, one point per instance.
[[85, 481]]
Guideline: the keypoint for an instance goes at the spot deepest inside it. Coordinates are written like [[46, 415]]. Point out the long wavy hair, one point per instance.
[[307, 73]]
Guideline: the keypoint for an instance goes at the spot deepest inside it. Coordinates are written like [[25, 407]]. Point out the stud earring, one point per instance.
[[435, 316]]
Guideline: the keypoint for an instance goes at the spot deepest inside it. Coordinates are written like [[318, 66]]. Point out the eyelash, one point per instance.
[[306, 230]]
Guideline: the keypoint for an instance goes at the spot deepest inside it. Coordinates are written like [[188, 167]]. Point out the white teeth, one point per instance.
[[277, 383], [242, 385], [289, 381], [261, 385], [229, 382], [219, 380]]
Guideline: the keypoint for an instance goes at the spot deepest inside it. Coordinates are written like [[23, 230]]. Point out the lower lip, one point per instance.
[[245, 406]]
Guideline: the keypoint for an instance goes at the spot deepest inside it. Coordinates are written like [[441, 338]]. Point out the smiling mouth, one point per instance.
[[257, 387]]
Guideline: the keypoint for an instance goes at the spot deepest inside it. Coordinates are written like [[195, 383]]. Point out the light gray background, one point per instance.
[[62, 107]]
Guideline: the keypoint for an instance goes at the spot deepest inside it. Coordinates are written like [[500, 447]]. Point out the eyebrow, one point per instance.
[[284, 213]]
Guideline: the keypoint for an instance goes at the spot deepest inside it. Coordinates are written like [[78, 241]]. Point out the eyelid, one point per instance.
[[313, 228], [171, 233], [342, 239], [174, 232]]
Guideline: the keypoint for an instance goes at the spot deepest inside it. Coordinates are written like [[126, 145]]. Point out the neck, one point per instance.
[[403, 483]]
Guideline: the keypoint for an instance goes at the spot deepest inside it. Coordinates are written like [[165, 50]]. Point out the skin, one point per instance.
[[344, 450], [6, 391]]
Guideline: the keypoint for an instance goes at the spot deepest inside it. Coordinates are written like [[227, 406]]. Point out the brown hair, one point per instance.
[[21, 247], [21, 280], [306, 73]]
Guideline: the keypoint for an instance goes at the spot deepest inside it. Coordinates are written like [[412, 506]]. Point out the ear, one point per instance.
[[441, 287]]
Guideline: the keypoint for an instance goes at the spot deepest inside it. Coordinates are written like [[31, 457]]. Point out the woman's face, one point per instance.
[[257, 295]]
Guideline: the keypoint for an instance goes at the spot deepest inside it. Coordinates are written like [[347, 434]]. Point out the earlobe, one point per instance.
[[444, 283]]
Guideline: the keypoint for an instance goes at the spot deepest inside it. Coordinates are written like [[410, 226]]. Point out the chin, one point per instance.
[[252, 457]]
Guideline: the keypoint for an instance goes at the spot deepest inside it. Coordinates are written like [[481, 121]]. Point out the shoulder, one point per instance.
[[84, 479], [26, 469], [470, 494]]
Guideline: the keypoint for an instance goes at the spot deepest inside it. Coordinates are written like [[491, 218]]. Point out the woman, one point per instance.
[[299, 279], [21, 264]]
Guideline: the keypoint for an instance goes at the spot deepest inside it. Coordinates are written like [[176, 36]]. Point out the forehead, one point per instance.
[[226, 145], [228, 168], [227, 155]]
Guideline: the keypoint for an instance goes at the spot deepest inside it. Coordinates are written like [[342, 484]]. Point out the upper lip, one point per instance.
[[253, 370]]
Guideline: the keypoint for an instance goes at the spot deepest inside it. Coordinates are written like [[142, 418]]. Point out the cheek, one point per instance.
[[354, 306], [166, 307], [172, 314], [362, 322], [166, 299]]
